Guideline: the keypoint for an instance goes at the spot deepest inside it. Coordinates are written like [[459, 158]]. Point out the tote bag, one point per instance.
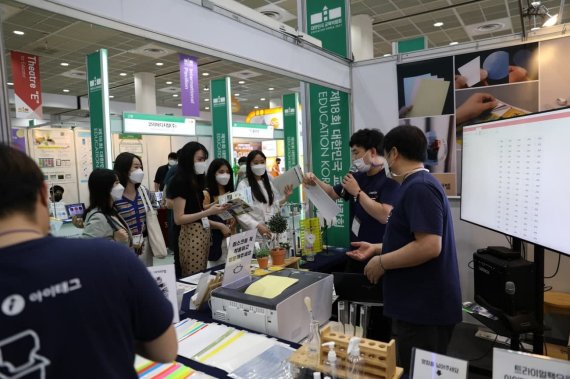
[[155, 237]]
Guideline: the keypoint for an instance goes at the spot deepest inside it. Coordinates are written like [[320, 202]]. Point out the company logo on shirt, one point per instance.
[[13, 305]]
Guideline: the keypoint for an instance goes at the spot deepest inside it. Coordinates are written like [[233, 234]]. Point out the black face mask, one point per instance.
[[57, 197]]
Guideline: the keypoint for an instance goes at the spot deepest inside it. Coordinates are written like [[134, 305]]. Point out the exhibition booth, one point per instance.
[[161, 85]]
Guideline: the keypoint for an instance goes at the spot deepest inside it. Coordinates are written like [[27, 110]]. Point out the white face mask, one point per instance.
[[360, 165], [117, 192], [387, 168], [258, 169], [172, 162], [137, 176], [223, 179], [200, 167]]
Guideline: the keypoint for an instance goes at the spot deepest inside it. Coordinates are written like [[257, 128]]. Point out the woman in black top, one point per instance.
[[219, 181], [186, 189]]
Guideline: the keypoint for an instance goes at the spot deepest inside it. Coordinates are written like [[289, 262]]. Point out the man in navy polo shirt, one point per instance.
[[369, 192], [70, 308], [418, 259]]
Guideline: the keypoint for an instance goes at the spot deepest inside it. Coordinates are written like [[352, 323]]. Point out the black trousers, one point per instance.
[[426, 337]]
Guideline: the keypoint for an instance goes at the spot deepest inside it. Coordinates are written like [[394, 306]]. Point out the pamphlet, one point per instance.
[[293, 177], [240, 202]]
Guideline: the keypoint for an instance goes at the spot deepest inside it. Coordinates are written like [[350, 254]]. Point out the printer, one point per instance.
[[284, 316]]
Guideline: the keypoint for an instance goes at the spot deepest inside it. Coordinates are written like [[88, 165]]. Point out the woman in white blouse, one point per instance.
[[266, 199]]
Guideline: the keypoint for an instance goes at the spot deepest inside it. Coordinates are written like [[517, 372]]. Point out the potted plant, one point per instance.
[[262, 256], [277, 224]]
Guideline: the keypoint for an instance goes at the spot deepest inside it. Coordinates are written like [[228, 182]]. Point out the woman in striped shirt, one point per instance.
[[129, 169]]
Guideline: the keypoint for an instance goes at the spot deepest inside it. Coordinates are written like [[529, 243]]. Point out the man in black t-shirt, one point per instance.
[[70, 308], [160, 176]]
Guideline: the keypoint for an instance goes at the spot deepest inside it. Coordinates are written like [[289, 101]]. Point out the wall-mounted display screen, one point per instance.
[[515, 177]]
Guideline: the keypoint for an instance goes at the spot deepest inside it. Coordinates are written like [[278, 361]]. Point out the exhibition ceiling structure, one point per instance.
[[63, 43], [394, 20]]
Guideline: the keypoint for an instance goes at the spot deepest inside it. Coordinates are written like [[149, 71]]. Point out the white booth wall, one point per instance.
[[375, 105]]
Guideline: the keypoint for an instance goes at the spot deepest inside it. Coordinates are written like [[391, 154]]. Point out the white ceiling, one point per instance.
[[59, 39], [395, 20]]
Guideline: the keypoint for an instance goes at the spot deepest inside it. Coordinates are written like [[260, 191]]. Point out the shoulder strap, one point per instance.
[[109, 220]]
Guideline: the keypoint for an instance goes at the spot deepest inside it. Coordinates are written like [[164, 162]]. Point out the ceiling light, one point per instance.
[[241, 82], [256, 107], [453, 43], [175, 95], [270, 89], [551, 20], [18, 32], [206, 88], [386, 55], [236, 94], [111, 96], [179, 105], [169, 82], [10, 83], [438, 24], [207, 108], [262, 99], [205, 74], [206, 99], [159, 64], [123, 74], [64, 64], [65, 90]]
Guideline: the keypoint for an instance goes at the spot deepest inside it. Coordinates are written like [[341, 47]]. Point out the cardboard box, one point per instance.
[[449, 183]]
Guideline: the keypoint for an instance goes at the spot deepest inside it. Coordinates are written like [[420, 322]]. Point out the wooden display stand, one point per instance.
[[379, 357]]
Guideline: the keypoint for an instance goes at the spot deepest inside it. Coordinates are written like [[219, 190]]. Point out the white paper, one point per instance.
[[201, 290], [292, 177], [471, 71], [191, 346], [193, 279], [240, 253], [514, 364], [411, 86], [185, 287], [326, 206], [166, 280], [428, 365]]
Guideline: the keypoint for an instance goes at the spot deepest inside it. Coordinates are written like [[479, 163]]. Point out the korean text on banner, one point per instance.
[[189, 90], [27, 85], [327, 21], [330, 127], [220, 105], [291, 130]]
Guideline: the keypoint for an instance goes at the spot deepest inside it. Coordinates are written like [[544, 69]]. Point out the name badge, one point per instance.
[[205, 222], [355, 226], [138, 239]]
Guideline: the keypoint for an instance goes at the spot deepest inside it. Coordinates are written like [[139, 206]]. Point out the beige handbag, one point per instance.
[[155, 237]]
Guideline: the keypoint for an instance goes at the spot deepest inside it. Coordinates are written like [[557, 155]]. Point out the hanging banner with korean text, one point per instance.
[[330, 153], [27, 85], [189, 91], [221, 108], [327, 20], [291, 130], [99, 116]]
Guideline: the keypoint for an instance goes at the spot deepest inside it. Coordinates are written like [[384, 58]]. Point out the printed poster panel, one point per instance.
[[53, 151], [330, 129], [221, 118]]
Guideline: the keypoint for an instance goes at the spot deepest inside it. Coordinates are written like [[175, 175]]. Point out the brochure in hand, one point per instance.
[[239, 201]]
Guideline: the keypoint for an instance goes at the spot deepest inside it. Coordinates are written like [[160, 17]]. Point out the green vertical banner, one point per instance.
[[221, 106], [330, 153], [327, 20], [291, 132], [100, 119]]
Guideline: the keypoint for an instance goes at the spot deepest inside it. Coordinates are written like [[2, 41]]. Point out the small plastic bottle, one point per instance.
[[330, 363], [314, 343], [354, 360]]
